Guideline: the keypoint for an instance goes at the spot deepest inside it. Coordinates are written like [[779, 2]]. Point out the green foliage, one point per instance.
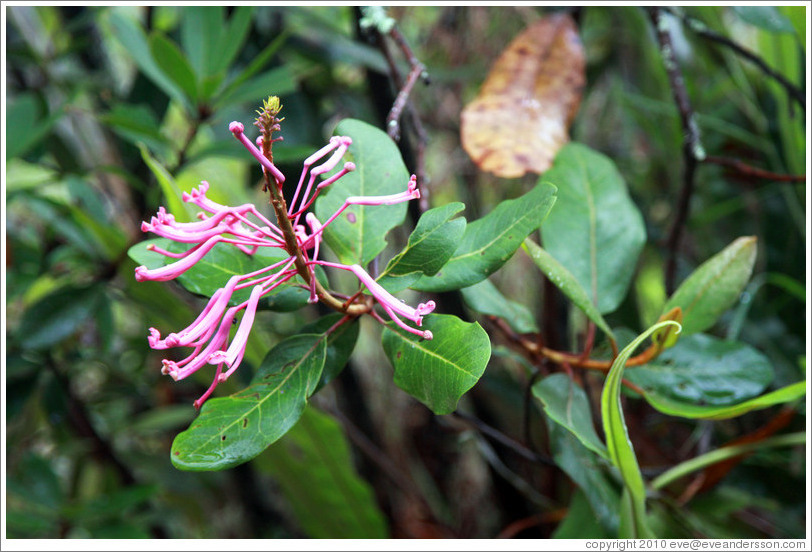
[[312, 464], [484, 298], [234, 429], [490, 241], [701, 369], [438, 372], [715, 286], [566, 282], [115, 111], [594, 231], [359, 234], [633, 504], [669, 406], [566, 404], [430, 246]]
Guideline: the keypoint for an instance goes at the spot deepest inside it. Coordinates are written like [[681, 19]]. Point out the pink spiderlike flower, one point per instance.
[[247, 229]]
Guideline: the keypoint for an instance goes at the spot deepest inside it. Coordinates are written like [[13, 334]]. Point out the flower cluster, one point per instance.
[[248, 229]]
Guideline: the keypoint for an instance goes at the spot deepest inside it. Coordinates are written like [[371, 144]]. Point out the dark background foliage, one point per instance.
[[89, 417]]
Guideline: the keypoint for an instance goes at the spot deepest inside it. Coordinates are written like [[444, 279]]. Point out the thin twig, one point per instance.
[[418, 70], [692, 150], [748, 170], [528, 407], [503, 439], [702, 30], [411, 113]]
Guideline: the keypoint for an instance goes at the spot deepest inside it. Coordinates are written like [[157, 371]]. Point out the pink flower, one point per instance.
[[246, 228]]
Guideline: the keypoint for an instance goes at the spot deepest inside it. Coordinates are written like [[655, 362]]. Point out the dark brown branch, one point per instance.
[[503, 439], [702, 30], [418, 70], [692, 150], [401, 103], [748, 170]]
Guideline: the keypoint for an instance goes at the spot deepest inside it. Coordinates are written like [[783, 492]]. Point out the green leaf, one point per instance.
[[131, 36], [25, 125], [588, 471], [566, 404], [431, 244], [705, 370], [340, 344], [581, 522], [721, 454], [257, 63], [21, 175], [58, 316], [595, 231], [221, 263], [620, 447], [486, 299], [146, 257], [379, 171], [672, 407], [764, 17], [174, 64], [715, 286], [182, 211], [232, 40], [232, 430], [313, 466], [567, 283], [278, 81], [201, 30], [490, 241], [135, 123], [440, 371]]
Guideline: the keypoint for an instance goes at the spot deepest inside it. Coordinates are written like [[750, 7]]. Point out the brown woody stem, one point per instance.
[[292, 247]]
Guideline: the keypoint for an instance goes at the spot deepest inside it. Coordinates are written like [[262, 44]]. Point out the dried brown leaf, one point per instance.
[[520, 118]]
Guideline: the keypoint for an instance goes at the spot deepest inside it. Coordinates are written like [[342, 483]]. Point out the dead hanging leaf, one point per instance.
[[519, 120]]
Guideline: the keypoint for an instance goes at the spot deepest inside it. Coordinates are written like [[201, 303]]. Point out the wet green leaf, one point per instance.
[[359, 234], [621, 452], [595, 230], [704, 370], [431, 244], [313, 466], [567, 283], [490, 241], [486, 299], [566, 404], [438, 372], [714, 286], [232, 430]]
